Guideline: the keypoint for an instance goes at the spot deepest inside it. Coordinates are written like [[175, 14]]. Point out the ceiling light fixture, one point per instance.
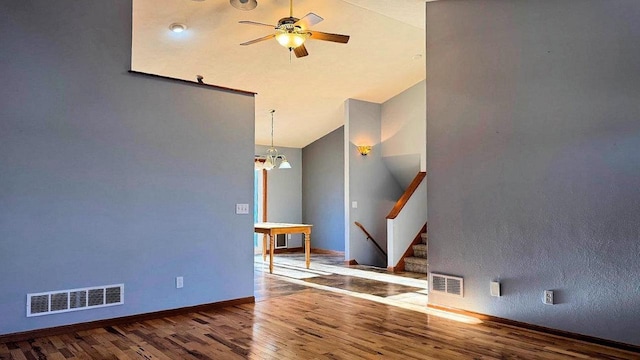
[[177, 27], [291, 38], [244, 4], [271, 159]]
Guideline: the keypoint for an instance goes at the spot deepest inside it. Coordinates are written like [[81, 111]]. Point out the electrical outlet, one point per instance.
[[242, 209], [547, 297], [179, 282]]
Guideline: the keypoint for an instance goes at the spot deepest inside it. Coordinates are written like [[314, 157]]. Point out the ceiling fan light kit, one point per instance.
[[290, 40], [245, 5]]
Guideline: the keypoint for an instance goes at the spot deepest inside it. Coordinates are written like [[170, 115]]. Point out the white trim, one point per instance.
[[347, 195]]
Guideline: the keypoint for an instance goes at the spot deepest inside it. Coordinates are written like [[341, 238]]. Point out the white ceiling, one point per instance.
[[308, 94]]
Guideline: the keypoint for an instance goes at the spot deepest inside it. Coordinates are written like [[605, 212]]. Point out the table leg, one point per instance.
[[264, 247], [307, 248], [272, 245]]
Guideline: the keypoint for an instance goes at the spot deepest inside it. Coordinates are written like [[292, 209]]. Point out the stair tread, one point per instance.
[[420, 246]]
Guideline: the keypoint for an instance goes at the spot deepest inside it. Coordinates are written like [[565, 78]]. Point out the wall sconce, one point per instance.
[[364, 149]]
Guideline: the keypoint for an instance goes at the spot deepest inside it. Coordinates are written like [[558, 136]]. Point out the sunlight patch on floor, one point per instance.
[[391, 302], [294, 271], [330, 269], [415, 298]]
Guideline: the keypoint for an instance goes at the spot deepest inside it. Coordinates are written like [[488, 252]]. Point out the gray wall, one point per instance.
[[533, 160], [108, 177], [403, 133], [284, 190], [369, 183], [323, 190]]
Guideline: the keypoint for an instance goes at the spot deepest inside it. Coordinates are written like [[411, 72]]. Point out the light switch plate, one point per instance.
[[495, 288], [354, 204]]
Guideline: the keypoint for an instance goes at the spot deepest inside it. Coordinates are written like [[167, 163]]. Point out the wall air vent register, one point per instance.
[[60, 301], [446, 284]]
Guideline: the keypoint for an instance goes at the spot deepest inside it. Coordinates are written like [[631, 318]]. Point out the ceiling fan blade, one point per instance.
[[300, 51], [259, 39], [256, 23], [318, 35], [308, 21]]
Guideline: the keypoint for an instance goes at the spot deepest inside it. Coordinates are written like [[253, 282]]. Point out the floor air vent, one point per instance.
[[55, 302], [446, 284]]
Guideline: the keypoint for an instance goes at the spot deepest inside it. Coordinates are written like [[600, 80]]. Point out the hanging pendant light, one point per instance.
[[244, 4], [272, 159]]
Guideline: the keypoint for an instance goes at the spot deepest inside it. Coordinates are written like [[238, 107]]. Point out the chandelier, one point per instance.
[[272, 159]]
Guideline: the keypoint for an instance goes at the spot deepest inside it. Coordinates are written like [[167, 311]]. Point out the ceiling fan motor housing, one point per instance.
[[288, 23]]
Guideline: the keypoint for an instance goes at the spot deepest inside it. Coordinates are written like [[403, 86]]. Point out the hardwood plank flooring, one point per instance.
[[294, 321], [365, 286]]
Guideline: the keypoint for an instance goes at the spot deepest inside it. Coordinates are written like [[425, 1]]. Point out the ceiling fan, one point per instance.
[[292, 32]]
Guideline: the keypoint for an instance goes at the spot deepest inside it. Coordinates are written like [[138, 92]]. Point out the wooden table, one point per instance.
[[273, 229]]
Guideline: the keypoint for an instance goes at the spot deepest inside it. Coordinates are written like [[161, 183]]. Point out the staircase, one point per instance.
[[418, 262]]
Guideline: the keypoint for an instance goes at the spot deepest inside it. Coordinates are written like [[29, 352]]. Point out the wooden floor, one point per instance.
[[294, 321]]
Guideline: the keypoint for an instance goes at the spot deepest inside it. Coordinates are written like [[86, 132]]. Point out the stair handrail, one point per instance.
[[369, 237], [407, 195]]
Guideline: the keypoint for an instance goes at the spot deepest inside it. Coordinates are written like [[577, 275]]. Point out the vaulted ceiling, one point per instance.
[[385, 56]]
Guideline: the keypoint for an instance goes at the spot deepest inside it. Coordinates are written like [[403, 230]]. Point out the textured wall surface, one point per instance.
[[284, 188], [533, 123], [370, 184], [108, 177], [323, 190], [404, 134]]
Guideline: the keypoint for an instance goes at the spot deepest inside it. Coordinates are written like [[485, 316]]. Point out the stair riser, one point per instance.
[[415, 264], [420, 253], [416, 268]]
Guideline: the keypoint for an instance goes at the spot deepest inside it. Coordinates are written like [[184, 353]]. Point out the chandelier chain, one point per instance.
[[272, 111]]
